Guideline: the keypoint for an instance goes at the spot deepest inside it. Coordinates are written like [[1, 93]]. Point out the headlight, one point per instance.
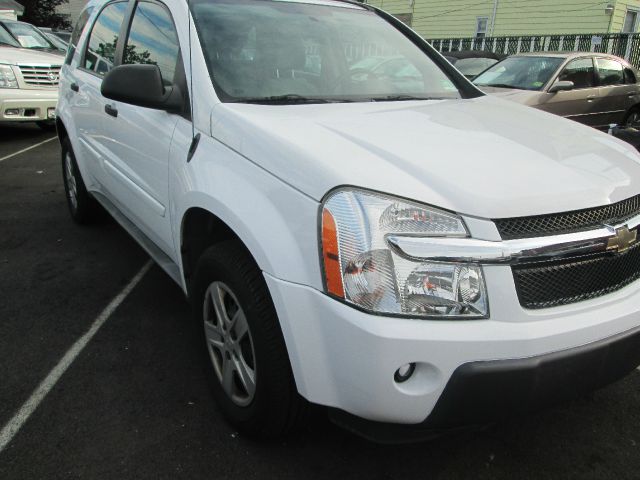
[[361, 269], [7, 77]]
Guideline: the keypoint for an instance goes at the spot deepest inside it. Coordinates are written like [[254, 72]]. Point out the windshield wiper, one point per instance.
[[401, 98], [289, 98], [497, 85]]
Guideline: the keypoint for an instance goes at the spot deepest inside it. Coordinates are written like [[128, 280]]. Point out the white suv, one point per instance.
[[392, 244]]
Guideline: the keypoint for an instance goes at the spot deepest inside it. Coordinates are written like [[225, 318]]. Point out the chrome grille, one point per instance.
[[41, 75], [567, 222]]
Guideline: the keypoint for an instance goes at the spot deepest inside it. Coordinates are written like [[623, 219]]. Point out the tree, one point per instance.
[[43, 13]]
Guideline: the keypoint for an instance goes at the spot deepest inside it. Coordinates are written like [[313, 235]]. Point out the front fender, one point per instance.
[[277, 223]]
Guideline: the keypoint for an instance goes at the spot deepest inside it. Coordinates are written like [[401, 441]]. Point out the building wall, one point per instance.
[[73, 8], [617, 20], [457, 18]]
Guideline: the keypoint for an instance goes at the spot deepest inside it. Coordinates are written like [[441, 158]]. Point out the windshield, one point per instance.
[[276, 50], [7, 39], [525, 73], [56, 41], [470, 67], [28, 36]]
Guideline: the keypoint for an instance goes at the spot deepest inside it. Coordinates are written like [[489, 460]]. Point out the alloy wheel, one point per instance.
[[229, 343]]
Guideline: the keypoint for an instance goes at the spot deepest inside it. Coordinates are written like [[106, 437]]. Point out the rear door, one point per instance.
[[83, 87], [581, 103], [137, 140], [616, 94]]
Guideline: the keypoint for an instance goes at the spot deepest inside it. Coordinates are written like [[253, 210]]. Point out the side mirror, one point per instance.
[[562, 86], [141, 85]]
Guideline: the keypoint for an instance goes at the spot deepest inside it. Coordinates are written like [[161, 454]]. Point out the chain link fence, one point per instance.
[[625, 45]]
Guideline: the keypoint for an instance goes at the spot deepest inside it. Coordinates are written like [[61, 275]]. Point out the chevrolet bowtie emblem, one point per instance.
[[623, 241]]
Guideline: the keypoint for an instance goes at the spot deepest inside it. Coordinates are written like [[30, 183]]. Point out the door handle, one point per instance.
[[591, 98], [111, 110], [74, 86]]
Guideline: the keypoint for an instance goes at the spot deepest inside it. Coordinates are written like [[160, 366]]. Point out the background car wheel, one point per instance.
[[245, 354], [633, 118], [82, 207]]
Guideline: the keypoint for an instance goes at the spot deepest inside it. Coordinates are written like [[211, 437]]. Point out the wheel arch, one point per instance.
[[61, 130], [200, 228]]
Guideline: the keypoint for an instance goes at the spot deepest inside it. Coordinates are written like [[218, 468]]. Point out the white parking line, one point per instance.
[[19, 419], [27, 149]]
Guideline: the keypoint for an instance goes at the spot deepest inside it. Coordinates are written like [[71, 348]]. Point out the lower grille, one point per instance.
[[48, 76], [569, 281]]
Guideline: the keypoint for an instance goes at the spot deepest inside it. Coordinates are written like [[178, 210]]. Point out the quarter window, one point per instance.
[[153, 40], [101, 48], [611, 72], [581, 72]]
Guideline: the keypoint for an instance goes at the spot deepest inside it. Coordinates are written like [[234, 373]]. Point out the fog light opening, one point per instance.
[[51, 113], [12, 112], [404, 372]]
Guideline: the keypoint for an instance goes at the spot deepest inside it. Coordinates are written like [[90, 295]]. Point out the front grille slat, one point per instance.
[[568, 222], [40, 75], [569, 281]]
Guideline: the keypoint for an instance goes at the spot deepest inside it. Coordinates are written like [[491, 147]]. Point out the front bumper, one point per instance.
[[31, 105], [346, 359], [482, 392]]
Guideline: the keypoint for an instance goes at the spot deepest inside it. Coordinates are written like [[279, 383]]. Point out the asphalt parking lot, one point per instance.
[[134, 402]]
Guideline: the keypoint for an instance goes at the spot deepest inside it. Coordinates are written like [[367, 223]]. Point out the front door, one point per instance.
[[581, 103], [138, 140]]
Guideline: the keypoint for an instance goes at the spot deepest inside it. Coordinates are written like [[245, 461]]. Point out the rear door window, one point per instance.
[[581, 72], [610, 71], [101, 48]]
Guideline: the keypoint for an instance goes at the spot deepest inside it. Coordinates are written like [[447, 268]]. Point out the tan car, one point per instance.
[[592, 88]]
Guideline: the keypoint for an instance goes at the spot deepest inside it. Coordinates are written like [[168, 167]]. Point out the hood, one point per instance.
[[483, 157], [524, 97], [15, 56]]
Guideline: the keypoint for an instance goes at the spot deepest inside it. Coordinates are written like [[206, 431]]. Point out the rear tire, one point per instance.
[[633, 118], [82, 206], [246, 359]]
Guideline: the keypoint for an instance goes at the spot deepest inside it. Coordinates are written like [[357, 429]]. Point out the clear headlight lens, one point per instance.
[[361, 269], [7, 77]]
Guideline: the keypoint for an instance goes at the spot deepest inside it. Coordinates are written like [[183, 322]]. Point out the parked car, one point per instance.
[[63, 35], [59, 43], [592, 88], [26, 35], [28, 83], [412, 260], [472, 63]]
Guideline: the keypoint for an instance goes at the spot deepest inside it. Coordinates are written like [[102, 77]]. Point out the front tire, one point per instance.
[[245, 355], [82, 206]]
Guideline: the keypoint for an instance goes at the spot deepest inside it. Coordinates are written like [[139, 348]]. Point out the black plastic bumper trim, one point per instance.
[[479, 393]]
